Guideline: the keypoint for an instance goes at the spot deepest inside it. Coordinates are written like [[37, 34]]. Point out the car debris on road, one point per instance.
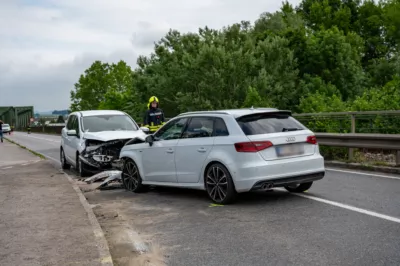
[[108, 177]]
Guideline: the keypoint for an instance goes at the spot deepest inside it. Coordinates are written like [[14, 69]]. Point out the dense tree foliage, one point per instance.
[[323, 55]]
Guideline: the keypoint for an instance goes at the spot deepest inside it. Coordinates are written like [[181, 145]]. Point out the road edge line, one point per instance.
[[41, 156], [102, 244]]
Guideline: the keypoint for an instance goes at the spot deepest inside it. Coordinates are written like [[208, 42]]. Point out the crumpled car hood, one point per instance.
[[113, 135]]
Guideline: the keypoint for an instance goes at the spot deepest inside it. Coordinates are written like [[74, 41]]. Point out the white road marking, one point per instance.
[[6, 168], [361, 173], [50, 140], [351, 208], [51, 158]]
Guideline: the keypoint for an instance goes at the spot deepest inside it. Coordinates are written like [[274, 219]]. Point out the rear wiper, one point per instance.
[[290, 129]]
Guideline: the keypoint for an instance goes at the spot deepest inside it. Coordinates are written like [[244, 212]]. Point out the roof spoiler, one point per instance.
[[285, 112]]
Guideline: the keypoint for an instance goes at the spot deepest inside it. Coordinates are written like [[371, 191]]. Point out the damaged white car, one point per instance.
[[92, 140]]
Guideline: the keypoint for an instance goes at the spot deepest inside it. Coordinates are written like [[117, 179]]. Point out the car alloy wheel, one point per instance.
[[219, 184], [131, 177]]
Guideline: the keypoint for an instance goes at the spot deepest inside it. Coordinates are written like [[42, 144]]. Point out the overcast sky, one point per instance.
[[46, 44]]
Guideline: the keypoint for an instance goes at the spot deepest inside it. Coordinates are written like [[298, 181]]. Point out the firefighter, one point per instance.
[[154, 117]]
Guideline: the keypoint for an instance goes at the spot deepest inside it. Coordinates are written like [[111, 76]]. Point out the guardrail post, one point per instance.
[[398, 158], [353, 130]]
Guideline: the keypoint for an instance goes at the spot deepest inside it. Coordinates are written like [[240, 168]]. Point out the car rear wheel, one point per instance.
[[131, 178], [219, 184], [299, 188], [64, 164]]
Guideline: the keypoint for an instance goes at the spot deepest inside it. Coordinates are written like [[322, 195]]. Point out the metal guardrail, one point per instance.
[[358, 140], [389, 112]]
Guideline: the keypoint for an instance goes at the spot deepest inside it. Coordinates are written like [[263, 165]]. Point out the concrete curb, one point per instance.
[[102, 244], [357, 166]]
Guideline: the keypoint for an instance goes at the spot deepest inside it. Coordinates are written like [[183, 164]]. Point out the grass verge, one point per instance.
[[25, 148]]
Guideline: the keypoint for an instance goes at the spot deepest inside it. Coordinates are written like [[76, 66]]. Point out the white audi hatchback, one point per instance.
[[226, 152]]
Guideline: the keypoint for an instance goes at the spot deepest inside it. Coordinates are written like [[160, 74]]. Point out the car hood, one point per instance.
[[113, 135]]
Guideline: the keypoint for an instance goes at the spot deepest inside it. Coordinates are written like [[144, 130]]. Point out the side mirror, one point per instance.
[[150, 139], [145, 129], [71, 132]]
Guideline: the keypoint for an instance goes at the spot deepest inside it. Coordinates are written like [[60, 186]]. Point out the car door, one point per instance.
[[159, 159], [67, 145], [76, 140], [193, 149]]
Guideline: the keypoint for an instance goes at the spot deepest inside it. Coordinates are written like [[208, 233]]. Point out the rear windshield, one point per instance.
[[268, 123]]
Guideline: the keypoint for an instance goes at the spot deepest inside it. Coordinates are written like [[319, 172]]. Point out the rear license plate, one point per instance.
[[289, 150]]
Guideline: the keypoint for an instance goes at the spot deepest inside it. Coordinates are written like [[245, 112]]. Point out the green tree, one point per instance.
[[60, 119], [337, 60], [253, 99], [105, 86], [91, 88]]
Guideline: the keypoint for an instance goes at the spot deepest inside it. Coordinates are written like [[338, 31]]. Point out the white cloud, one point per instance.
[[46, 44]]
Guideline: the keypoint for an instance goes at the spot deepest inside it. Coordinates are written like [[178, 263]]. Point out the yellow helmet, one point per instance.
[[152, 99]]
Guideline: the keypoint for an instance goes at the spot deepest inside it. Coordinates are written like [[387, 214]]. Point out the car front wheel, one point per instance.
[[64, 164], [219, 184], [80, 167], [131, 178], [299, 188]]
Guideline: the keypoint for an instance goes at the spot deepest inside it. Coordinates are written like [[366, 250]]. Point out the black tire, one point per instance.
[[80, 167], [64, 164], [131, 178], [299, 188], [219, 184]]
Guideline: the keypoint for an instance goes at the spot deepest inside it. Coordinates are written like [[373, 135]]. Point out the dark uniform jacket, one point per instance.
[[154, 117]]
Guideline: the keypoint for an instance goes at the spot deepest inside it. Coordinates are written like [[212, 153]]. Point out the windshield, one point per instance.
[[268, 123], [6, 125], [108, 123]]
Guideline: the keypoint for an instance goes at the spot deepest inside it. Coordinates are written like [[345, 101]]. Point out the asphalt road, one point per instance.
[[348, 218]]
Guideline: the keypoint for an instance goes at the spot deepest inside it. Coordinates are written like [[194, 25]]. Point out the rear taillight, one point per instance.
[[252, 146], [311, 140]]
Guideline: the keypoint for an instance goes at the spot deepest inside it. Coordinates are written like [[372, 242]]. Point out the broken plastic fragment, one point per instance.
[[101, 176]]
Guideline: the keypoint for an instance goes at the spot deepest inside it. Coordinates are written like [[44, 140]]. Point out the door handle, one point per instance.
[[201, 150], [170, 151]]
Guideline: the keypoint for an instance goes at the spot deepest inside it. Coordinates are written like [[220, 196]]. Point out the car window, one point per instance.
[[71, 119], [268, 123], [220, 128], [74, 125], [108, 123], [172, 130], [199, 127]]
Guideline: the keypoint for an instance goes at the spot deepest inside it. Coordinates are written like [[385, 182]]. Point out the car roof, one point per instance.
[[235, 112], [100, 112]]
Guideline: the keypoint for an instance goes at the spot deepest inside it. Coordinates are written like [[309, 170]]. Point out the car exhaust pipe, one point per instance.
[[267, 186]]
